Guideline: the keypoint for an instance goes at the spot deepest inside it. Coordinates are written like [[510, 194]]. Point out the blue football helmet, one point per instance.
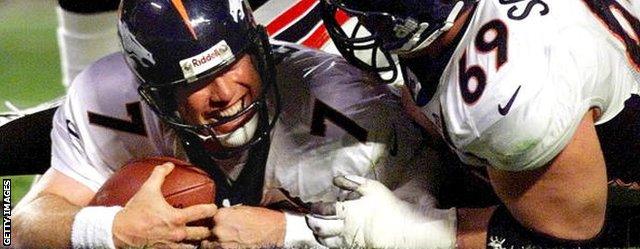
[[400, 27], [170, 44]]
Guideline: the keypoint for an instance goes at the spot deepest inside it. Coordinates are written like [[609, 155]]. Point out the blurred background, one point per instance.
[[29, 65]]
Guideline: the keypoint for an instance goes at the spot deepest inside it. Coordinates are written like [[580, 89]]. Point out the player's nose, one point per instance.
[[221, 92]]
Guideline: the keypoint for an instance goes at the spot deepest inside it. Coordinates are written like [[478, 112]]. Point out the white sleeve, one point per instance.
[[576, 79], [68, 153], [90, 150]]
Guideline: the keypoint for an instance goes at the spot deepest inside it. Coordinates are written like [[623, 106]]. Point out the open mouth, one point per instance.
[[233, 109], [230, 111]]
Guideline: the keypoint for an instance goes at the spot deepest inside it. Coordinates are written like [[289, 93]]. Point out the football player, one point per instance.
[[199, 80], [515, 86]]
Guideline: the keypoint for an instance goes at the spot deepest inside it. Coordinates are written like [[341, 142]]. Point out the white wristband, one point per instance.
[[297, 233], [92, 227]]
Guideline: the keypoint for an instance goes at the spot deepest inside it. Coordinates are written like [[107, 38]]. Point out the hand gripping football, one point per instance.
[[185, 186]]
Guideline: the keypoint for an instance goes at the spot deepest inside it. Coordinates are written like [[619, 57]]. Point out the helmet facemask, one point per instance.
[[356, 43], [395, 28], [264, 109]]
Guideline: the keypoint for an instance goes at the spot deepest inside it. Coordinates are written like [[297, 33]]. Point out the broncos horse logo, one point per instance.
[[133, 47]]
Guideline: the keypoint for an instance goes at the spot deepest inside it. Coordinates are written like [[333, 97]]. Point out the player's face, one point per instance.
[[227, 94]]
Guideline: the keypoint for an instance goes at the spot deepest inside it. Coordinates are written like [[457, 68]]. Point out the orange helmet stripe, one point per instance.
[[185, 16]]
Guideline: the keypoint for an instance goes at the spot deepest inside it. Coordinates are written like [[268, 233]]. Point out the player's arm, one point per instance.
[[54, 214], [246, 226], [55, 199], [471, 229], [564, 200]]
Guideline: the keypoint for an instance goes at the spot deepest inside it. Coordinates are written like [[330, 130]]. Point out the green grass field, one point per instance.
[[30, 70], [29, 64]]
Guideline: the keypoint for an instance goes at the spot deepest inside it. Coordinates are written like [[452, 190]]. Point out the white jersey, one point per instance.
[[526, 72], [103, 124]]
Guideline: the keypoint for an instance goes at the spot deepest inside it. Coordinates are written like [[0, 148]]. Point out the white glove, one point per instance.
[[378, 219]]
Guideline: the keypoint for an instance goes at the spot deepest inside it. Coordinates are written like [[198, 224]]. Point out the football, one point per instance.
[[185, 186]]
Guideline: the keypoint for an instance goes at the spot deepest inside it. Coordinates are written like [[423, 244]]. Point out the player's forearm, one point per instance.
[[472, 227], [45, 221]]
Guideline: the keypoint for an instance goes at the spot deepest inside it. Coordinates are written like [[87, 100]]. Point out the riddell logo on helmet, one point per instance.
[[217, 52], [217, 55]]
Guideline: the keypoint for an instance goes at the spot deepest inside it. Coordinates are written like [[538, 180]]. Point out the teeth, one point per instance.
[[232, 110]]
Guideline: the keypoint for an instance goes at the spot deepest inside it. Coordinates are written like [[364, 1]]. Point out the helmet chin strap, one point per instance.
[[240, 136]]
